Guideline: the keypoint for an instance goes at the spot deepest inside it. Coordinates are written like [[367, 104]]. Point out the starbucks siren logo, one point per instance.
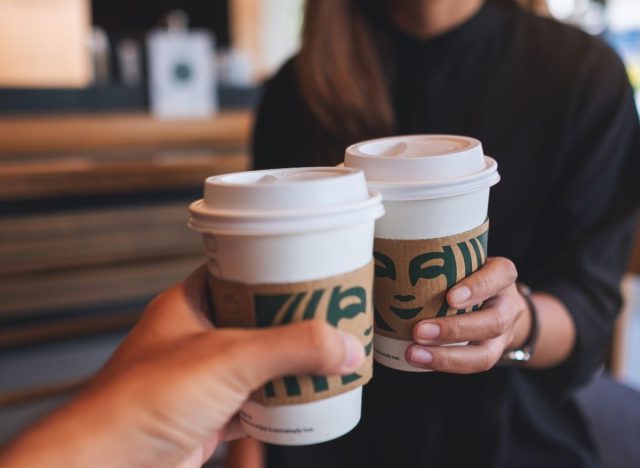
[[413, 277], [345, 301], [279, 309]]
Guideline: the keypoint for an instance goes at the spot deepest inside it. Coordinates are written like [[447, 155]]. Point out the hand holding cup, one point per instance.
[[489, 331], [172, 391]]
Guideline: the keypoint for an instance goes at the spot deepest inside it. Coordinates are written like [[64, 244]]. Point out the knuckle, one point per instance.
[[447, 361], [484, 284], [486, 360], [519, 303], [320, 343], [443, 361], [454, 329], [510, 270], [499, 323]]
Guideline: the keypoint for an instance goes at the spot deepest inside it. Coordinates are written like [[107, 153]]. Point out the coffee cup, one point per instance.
[[288, 245], [435, 191]]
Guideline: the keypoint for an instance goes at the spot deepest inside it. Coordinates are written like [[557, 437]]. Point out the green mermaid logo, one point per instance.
[[411, 282]]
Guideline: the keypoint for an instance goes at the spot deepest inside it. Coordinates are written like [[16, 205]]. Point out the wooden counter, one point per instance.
[[53, 134], [98, 154], [74, 268]]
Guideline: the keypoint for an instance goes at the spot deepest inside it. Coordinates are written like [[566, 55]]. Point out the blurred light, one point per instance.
[[593, 20], [624, 14], [562, 9]]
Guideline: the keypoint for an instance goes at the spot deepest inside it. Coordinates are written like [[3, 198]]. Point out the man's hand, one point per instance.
[[171, 392]]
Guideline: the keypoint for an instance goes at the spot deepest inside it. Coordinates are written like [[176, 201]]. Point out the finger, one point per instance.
[[309, 347], [490, 322], [497, 274], [477, 357]]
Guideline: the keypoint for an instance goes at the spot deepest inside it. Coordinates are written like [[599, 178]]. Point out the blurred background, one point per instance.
[[112, 113]]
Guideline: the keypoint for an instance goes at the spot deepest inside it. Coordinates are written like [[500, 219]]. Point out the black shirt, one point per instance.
[[554, 107]]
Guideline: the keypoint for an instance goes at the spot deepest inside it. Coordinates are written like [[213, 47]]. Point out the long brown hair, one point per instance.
[[340, 69]]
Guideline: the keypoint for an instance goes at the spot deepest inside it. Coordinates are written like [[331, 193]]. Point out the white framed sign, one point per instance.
[[182, 74]]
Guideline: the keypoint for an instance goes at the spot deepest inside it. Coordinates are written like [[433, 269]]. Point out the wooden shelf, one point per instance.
[[40, 293], [55, 134], [121, 253], [82, 238], [101, 154], [67, 328], [81, 175]]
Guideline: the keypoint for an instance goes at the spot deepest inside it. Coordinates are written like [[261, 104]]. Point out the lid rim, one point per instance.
[[283, 189], [426, 190], [491, 166], [199, 208], [288, 226], [292, 221], [398, 193]]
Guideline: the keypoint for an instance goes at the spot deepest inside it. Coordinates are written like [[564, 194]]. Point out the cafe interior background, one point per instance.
[[100, 153]]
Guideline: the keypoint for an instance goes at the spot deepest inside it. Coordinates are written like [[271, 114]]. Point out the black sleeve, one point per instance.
[[284, 133], [269, 146], [585, 239], [280, 135]]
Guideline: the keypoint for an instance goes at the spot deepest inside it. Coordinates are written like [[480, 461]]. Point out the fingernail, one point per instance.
[[427, 331], [460, 294], [420, 356], [354, 353]]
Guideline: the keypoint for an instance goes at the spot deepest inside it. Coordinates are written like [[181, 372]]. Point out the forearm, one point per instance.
[[92, 430], [61, 439], [557, 334]]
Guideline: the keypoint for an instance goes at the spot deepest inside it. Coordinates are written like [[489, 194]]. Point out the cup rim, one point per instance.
[[286, 221], [426, 190]]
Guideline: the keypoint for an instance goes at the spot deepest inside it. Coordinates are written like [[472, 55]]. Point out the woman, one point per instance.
[[554, 107]]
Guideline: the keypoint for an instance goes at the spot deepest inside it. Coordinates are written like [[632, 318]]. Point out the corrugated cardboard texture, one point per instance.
[[412, 278], [345, 301]]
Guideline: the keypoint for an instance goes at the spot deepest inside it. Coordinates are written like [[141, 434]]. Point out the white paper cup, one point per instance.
[[288, 226], [432, 186]]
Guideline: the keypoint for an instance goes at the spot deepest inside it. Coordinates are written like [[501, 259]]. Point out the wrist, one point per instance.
[[524, 352], [522, 328]]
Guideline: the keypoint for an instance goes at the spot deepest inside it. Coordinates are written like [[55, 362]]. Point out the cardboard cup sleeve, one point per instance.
[[412, 278], [345, 301]]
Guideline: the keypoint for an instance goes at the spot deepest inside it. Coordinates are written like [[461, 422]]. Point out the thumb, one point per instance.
[[304, 348]]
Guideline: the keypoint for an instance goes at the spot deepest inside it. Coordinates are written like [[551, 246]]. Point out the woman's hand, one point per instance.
[[171, 392], [500, 325]]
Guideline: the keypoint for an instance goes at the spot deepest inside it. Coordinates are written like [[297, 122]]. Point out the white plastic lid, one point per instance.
[[417, 167], [284, 201]]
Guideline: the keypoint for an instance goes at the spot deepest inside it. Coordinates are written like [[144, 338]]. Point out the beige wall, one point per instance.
[[268, 31], [44, 43]]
